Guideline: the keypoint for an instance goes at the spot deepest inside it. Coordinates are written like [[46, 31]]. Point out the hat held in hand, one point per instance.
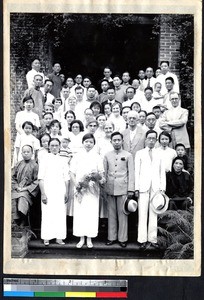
[[130, 205], [159, 202]]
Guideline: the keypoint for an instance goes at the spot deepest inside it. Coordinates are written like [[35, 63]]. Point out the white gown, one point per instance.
[[54, 173], [86, 211]]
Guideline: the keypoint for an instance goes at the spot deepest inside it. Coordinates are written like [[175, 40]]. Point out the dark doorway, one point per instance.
[[88, 47]]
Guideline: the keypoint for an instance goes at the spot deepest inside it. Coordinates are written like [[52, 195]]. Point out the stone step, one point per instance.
[[100, 250]]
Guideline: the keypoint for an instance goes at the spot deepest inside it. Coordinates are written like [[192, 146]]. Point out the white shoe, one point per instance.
[[46, 242], [89, 243], [80, 244], [60, 242]]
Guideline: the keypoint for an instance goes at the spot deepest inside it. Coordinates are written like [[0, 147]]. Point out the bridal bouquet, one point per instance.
[[89, 183]]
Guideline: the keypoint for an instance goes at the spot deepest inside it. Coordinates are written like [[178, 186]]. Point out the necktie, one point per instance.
[[148, 85], [45, 97], [150, 154]]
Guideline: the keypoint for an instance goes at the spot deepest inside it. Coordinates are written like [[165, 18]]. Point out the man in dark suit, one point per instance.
[[134, 135], [111, 98], [119, 172]]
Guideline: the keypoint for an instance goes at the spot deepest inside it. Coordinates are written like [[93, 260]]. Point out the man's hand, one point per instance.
[[44, 198], [137, 193], [65, 199], [130, 195]]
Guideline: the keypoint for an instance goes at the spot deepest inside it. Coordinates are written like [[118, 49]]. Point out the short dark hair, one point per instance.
[[46, 80], [47, 113], [53, 122], [166, 134], [116, 133], [151, 131], [144, 111], [150, 113], [78, 88], [102, 80], [156, 107], [37, 75], [28, 97], [87, 77], [70, 112], [130, 87], [125, 107], [170, 78], [45, 134], [88, 136], [180, 145], [91, 87], [81, 126], [54, 139], [65, 86], [164, 61], [148, 88], [28, 123], [100, 115], [95, 103], [56, 99], [111, 88], [117, 75], [135, 103]]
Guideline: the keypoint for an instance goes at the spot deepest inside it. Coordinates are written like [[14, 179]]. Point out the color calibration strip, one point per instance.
[[65, 288]]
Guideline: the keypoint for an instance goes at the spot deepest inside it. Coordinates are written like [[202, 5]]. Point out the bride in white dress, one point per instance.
[[86, 205]]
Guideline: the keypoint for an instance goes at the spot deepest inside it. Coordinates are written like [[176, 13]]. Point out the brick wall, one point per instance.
[[19, 66], [169, 47]]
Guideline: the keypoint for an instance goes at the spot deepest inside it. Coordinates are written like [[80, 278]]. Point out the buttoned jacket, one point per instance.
[[119, 172]]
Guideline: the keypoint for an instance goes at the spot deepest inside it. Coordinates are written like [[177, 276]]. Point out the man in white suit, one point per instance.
[[149, 178]]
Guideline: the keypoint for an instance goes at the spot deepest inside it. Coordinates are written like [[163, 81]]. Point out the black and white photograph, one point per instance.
[[103, 117]]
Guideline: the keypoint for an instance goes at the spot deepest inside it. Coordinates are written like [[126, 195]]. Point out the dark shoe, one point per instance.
[[143, 246], [109, 243], [123, 244], [155, 245]]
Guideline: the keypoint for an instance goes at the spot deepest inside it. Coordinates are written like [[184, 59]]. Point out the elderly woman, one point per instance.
[[101, 118], [116, 118], [75, 135], [179, 186], [91, 126]]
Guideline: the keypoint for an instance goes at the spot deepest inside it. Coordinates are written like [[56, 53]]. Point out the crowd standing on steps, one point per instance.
[[101, 153]]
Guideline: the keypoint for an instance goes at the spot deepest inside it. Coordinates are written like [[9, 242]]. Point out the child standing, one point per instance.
[[65, 151], [26, 138], [44, 141], [181, 152]]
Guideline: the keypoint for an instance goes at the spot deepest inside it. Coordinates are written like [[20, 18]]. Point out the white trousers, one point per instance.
[[147, 223]]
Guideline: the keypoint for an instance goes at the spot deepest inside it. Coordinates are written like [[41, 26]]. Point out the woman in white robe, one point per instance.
[[86, 206], [53, 182]]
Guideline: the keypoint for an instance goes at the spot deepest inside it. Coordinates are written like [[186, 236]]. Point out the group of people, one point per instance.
[[101, 154]]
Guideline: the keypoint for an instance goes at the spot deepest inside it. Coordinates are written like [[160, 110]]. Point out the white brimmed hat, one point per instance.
[[159, 202], [130, 205]]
